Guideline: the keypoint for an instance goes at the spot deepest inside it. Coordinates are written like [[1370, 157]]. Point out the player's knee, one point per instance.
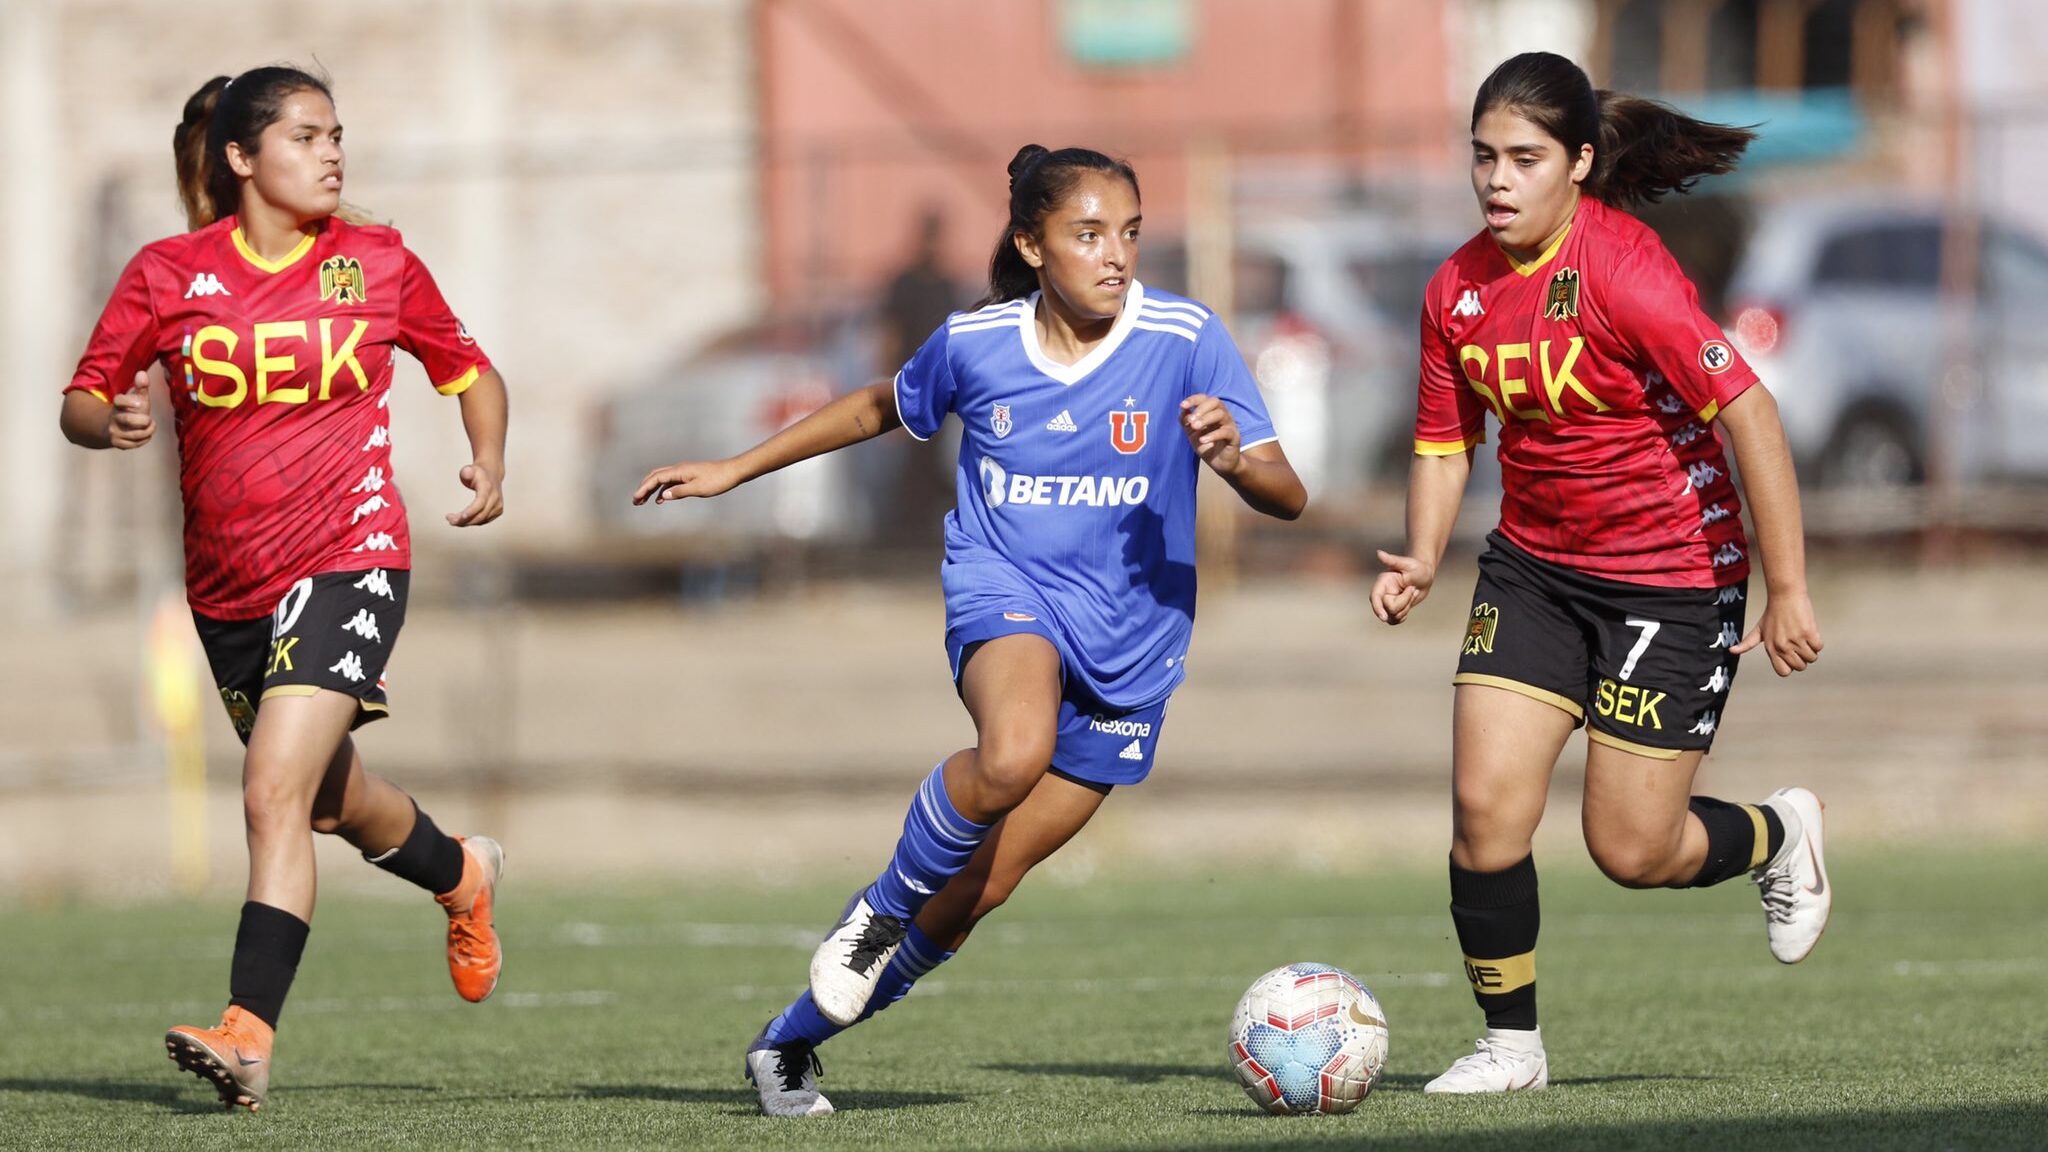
[[272, 802], [327, 823], [1010, 768], [1631, 863]]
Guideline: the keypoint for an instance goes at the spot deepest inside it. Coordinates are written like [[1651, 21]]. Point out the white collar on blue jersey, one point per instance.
[[1027, 328]]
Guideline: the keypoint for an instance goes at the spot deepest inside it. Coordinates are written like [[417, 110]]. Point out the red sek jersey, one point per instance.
[[280, 373], [1605, 378]]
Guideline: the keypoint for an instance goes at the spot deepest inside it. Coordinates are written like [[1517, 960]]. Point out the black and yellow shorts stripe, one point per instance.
[[335, 631], [1646, 669]]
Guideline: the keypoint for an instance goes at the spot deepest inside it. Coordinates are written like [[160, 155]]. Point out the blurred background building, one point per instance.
[[679, 224]]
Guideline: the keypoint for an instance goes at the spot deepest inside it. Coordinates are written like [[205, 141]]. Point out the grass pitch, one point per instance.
[[1079, 1018]]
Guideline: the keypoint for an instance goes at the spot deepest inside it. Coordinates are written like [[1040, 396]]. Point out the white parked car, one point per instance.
[[1837, 302]]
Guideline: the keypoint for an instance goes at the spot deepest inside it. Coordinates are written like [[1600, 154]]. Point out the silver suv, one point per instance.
[[1837, 302]]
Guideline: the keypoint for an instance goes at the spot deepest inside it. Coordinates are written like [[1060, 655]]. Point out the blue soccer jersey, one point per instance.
[[1076, 490]]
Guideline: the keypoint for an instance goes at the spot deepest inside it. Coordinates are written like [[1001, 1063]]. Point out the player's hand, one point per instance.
[[1404, 584], [1787, 633], [1212, 432], [700, 478], [129, 424], [489, 503]]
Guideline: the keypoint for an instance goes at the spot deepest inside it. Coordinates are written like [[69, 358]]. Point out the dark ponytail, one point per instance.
[[229, 110], [1039, 180], [1642, 149]]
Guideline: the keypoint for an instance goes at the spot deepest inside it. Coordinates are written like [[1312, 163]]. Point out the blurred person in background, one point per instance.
[[1613, 591], [1069, 572], [917, 299], [275, 319]]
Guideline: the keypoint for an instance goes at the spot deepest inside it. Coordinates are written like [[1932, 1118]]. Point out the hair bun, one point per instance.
[[1026, 156]]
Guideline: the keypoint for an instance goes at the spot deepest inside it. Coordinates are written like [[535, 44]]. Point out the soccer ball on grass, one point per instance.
[[1308, 1038]]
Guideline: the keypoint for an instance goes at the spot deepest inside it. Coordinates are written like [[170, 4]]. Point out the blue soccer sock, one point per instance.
[[802, 1020], [936, 844]]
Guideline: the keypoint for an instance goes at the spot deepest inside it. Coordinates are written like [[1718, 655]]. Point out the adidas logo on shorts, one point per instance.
[[1132, 751], [1064, 422]]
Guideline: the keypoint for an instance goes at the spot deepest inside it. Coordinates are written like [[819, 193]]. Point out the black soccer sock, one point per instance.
[[429, 857], [267, 949], [1740, 838], [1497, 919]]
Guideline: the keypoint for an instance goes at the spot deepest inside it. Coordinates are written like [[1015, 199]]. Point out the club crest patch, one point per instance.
[[1000, 420], [1127, 431], [341, 280], [1563, 301], [1479, 633], [241, 713]]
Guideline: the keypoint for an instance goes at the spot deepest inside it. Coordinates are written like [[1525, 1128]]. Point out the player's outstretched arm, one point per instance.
[[1261, 474], [1787, 630], [859, 415], [484, 410], [1436, 485], [91, 422]]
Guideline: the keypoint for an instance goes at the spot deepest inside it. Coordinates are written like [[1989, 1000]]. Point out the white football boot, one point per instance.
[[848, 965], [1503, 1060], [786, 1076], [1794, 883]]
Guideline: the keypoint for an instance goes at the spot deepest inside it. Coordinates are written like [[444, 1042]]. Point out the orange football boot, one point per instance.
[[234, 1058], [474, 956]]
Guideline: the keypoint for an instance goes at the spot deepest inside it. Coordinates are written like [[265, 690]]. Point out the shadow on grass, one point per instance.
[[1125, 1073], [745, 1102], [1623, 1078], [169, 1095], [1134, 1073], [1993, 1127]]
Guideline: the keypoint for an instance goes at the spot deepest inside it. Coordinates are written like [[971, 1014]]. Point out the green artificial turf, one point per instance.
[[1079, 1017]]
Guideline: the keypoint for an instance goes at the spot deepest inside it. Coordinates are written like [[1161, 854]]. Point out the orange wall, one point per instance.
[[873, 109]]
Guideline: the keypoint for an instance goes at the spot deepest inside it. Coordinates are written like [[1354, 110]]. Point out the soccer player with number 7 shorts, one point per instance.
[[1087, 404], [275, 319], [1613, 592]]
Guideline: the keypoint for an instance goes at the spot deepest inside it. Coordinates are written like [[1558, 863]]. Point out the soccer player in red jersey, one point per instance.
[[275, 319], [1613, 592]]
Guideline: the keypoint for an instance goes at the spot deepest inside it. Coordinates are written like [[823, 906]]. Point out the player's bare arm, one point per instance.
[[91, 422], [484, 410], [1436, 486], [1787, 630], [852, 418], [1260, 474]]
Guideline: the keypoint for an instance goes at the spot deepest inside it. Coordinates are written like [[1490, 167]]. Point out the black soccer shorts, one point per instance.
[[1647, 669], [334, 630]]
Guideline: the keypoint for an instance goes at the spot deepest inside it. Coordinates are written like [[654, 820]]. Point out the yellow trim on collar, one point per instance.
[[1530, 268], [291, 258]]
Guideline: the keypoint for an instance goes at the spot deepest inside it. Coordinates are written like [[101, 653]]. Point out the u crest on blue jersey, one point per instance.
[[1000, 420], [1127, 431]]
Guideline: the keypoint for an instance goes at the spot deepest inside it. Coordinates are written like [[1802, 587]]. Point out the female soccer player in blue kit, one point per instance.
[[1069, 572]]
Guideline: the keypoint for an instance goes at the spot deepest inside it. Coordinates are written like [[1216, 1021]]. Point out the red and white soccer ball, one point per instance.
[[1308, 1038]]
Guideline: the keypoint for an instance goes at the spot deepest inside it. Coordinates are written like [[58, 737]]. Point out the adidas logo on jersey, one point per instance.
[[1132, 751], [1064, 422], [206, 284], [1468, 304]]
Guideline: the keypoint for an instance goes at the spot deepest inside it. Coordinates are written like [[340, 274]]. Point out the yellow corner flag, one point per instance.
[[175, 688]]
